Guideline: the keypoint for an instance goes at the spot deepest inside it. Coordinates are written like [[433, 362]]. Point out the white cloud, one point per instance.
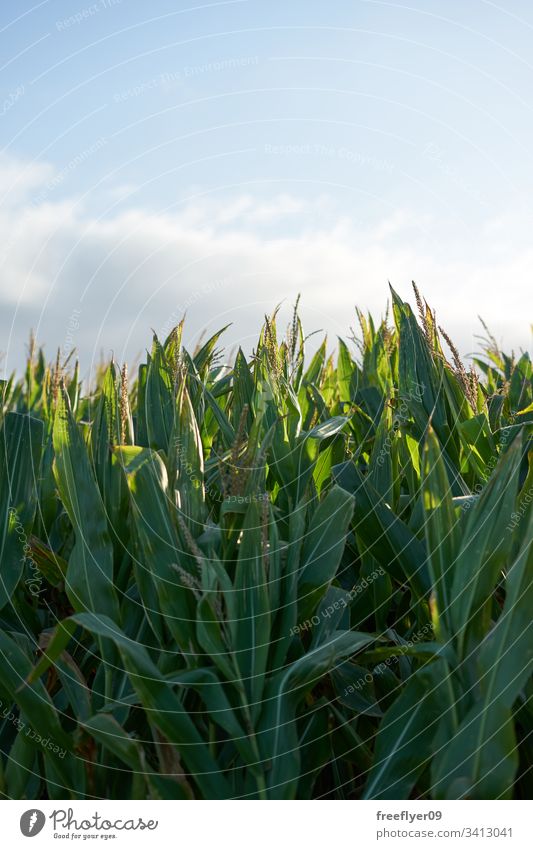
[[232, 259], [19, 178]]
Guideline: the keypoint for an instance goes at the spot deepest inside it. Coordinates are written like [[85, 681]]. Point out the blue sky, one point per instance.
[[218, 158]]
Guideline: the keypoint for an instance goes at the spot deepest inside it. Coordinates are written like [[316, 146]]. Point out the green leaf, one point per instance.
[[345, 370], [37, 709], [161, 565], [506, 656], [186, 452], [252, 608], [163, 707], [89, 579], [278, 733], [405, 738], [158, 400], [21, 439], [481, 760], [485, 547], [323, 547], [104, 728], [385, 536], [441, 532]]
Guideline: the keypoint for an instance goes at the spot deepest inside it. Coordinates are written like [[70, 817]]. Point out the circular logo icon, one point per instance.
[[32, 822]]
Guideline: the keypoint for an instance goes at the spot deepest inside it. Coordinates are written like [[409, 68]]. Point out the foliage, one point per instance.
[[284, 578]]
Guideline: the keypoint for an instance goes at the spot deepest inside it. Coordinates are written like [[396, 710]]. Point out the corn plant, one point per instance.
[[286, 577]]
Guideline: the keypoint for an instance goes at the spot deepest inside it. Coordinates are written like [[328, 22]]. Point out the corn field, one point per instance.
[[282, 577]]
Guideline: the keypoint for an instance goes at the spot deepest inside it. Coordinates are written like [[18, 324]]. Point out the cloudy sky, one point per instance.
[[218, 158]]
